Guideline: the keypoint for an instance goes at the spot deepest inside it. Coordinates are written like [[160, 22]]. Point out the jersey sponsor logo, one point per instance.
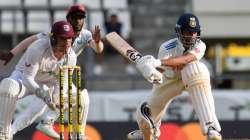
[[27, 65], [133, 55], [171, 45], [196, 50]]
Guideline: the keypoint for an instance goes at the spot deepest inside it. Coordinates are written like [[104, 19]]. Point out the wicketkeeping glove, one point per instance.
[[44, 94]]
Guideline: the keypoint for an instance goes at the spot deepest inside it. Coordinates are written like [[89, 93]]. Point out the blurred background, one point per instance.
[[116, 88]]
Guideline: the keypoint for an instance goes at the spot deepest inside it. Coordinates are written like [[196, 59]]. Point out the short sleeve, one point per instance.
[[165, 49], [82, 41], [198, 50]]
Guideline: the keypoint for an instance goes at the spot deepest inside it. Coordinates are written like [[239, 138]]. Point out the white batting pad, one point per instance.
[[9, 90], [85, 104], [84, 100], [196, 79]]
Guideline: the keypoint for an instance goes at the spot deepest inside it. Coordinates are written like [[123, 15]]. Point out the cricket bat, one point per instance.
[[119, 44], [122, 46]]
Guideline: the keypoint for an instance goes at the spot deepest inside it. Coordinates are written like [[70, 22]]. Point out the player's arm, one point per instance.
[[96, 43], [178, 61], [5, 56], [147, 69], [23, 45], [97, 46], [87, 39], [147, 65], [196, 53], [31, 68]]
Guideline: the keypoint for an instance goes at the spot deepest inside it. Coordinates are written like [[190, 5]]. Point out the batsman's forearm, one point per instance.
[[177, 61]]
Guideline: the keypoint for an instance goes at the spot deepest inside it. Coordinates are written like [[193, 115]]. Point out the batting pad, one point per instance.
[[196, 79], [84, 100], [85, 104], [9, 90]]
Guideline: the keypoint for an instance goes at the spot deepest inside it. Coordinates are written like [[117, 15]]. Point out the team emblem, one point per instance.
[[192, 22], [66, 28]]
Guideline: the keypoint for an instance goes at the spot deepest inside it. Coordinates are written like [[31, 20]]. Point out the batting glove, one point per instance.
[[147, 66], [150, 73], [149, 60]]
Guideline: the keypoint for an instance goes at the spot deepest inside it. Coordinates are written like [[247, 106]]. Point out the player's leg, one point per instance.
[[9, 91], [84, 102], [196, 78], [24, 119], [47, 122], [35, 109], [149, 113], [46, 125]]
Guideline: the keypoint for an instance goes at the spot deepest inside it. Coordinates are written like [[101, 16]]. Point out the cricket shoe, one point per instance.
[[213, 134], [145, 114], [135, 135], [47, 129]]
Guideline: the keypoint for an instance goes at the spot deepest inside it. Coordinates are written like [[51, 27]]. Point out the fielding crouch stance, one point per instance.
[[82, 38], [179, 58], [36, 72]]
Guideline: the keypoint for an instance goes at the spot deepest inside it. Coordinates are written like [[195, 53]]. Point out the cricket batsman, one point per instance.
[[180, 60], [82, 38], [36, 72]]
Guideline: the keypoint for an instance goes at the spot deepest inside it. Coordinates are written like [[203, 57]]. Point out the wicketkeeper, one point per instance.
[[35, 72], [82, 38]]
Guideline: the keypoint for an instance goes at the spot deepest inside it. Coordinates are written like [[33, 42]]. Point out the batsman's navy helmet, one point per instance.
[[188, 22]]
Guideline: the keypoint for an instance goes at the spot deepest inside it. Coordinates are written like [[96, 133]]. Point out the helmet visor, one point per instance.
[[189, 39]]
